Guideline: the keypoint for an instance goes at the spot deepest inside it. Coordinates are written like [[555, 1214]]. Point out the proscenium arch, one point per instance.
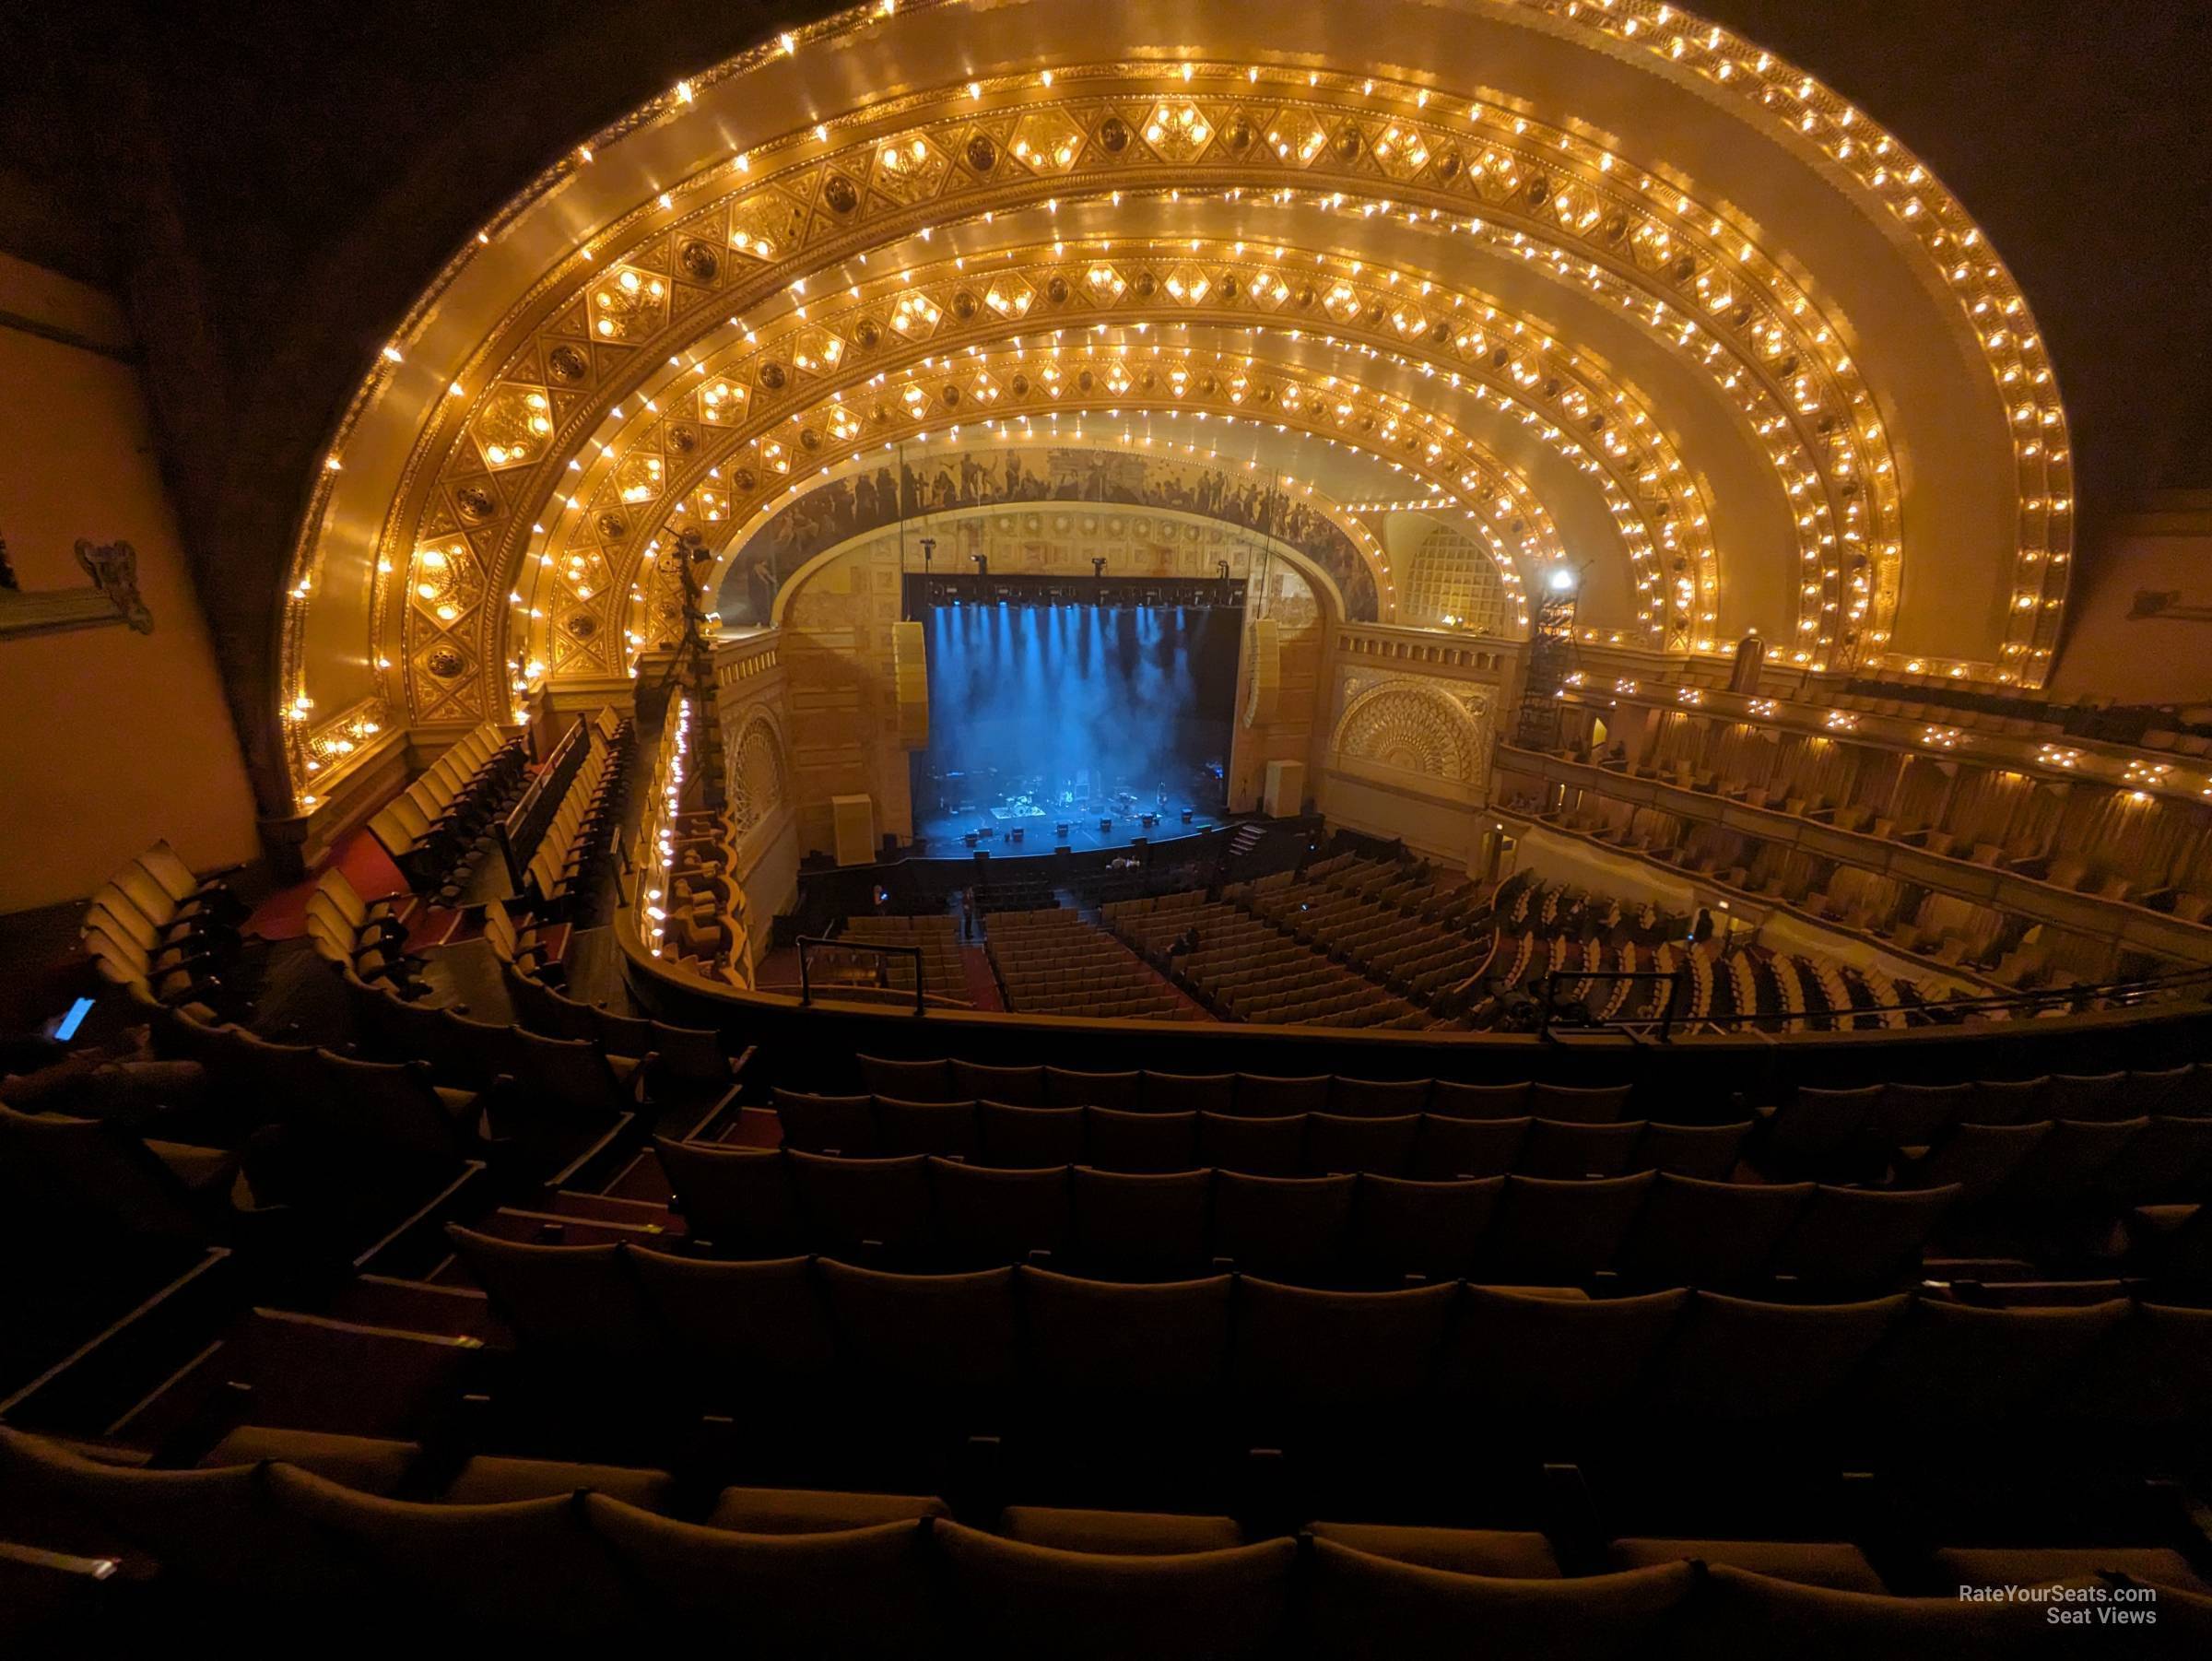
[[1463, 468], [1918, 246], [1315, 577]]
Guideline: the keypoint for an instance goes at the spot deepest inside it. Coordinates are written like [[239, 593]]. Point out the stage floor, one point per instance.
[[942, 836]]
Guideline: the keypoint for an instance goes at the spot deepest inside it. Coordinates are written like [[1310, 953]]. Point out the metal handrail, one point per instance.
[[882, 948], [1673, 977], [2030, 1002]]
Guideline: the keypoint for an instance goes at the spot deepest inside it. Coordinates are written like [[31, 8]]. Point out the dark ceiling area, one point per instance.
[[269, 184]]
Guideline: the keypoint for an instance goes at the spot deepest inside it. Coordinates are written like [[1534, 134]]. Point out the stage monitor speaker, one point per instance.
[[852, 820], [1286, 793], [909, 680], [1263, 673]]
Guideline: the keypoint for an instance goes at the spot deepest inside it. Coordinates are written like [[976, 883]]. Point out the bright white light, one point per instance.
[[1562, 580]]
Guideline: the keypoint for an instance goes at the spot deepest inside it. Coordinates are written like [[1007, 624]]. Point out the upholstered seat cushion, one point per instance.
[[209, 1530], [1807, 1562], [1523, 1555], [838, 1597], [486, 1480], [2042, 1565], [194, 1166], [811, 1510], [371, 1465], [1134, 1533], [530, 1569], [1741, 1613], [1374, 1608], [1019, 1599]]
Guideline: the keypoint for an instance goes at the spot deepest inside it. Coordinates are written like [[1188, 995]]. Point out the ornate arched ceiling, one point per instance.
[[1714, 336]]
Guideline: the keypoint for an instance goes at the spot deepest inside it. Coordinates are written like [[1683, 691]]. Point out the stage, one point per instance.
[[942, 834]]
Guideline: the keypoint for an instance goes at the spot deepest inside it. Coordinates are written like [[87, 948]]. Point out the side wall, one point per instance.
[[112, 738]]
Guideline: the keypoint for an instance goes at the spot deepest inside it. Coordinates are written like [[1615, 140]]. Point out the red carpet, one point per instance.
[[983, 986], [283, 916]]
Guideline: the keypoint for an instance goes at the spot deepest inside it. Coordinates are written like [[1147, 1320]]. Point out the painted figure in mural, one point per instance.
[[834, 512]]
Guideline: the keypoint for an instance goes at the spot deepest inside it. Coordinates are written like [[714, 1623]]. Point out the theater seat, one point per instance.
[[486, 1479], [987, 1216], [753, 1331], [907, 1080], [918, 1336], [740, 1199], [1274, 1145], [1451, 1148], [1478, 1100], [1519, 1354], [1141, 1141], [528, 1569], [577, 1303], [1402, 1227], [1378, 1096], [1831, 1563], [1100, 1341], [1743, 1613], [1019, 1087], [1306, 1350], [1124, 1533], [814, 1123], [1142, 1227], [1026, 1600], [1292, 1227], [1521, 1555], [816, 1511], [373, 1465], [1580, 1105], [2045, 1565], [1736, 1360], [1028, 1138], [1384, 1144], [855, 1595], [1373, 1608], [1560, 1233], [1066, 1088]]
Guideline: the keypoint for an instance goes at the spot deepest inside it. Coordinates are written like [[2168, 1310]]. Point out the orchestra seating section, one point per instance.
[[1055, 962], [935, 937], [1246, 969], [1393, 921], [435, 829]]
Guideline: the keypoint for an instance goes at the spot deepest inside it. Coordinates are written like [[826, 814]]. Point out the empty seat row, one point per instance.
[[1017, 1344], [1816, 1123], [1252, 1093], [858, 1577], [1429, 1145], [576, 836], [1647, 1229], [366, 938], [157, 930], [432, 830]]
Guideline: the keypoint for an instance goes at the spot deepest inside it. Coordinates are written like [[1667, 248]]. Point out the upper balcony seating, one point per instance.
[[279, 1528], [160, 931], [432, 829]]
